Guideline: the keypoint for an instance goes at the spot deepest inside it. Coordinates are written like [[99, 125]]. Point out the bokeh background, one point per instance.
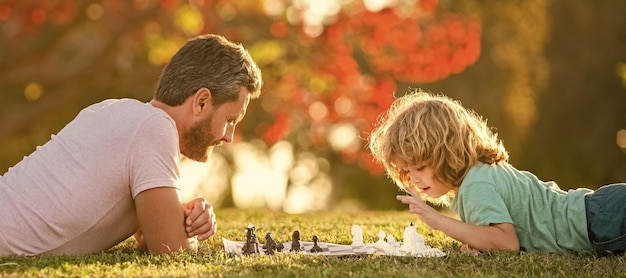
[[549, 75]]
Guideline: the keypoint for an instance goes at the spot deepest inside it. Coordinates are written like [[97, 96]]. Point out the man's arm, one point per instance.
[[161, 218]]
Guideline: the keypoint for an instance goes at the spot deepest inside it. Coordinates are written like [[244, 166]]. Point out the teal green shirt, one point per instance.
[[545, 217]]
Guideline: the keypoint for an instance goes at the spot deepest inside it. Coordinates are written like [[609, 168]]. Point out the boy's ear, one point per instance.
[[201, 100]]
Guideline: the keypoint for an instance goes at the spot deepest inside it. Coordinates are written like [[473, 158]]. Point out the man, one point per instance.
[[111, 172]]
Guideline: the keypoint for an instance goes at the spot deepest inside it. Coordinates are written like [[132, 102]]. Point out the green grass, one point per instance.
[[210, 260]]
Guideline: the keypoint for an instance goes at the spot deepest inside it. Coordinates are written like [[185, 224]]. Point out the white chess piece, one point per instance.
[[381, 243], [407, 239], [357, 236], [420, 246], [392, 240], [413, 242], [392, 246]]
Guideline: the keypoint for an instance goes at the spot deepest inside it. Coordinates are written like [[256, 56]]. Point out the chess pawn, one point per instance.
[[270, 244], [392, 250], [381, 243], [268, 236], [280, 247], [357, 236], [393, 247], [316, 248], [295, 241]]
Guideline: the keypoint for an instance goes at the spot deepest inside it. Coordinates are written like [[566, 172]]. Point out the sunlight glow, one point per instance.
[[189, 19], [160, 49], [377, 5], [281, 156], [314, 13], [258, 182], [318, 111], [621, 139], [310, 187], [344, 106], [620, 70], [33, 91], [263, 178], [208, 180], [273, 7], [344, 137], [94, 11], [305, 169], [314, 197], [266, 52]]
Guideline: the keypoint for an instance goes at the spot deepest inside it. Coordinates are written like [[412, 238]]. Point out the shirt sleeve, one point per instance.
[[154, 155], [481, 204]]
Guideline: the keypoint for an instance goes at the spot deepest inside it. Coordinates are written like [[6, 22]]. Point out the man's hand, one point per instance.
[[199, 219]]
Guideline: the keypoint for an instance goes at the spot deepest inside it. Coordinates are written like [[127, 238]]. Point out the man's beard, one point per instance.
[[198, 140]]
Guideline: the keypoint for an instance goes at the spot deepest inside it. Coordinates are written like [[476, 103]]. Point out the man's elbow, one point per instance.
[[189, 245]]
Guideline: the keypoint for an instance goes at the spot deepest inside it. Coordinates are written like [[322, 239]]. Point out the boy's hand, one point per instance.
[[469, 250], [199, 219], [426, 213]]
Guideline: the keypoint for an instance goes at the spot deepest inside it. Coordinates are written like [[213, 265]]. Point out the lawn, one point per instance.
[[210, 260]]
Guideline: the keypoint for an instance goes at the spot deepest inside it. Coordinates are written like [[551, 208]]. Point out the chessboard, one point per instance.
[[328, 249]]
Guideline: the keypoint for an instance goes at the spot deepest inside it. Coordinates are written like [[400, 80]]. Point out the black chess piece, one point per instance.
[[316, 248], [252, 242], [295, 242], [270, 244], [265, 245], [280, 247]]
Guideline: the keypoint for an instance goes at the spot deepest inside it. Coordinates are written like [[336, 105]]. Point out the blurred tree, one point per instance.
[[330, 68], [336, 74], [551, 83], [583, 108]]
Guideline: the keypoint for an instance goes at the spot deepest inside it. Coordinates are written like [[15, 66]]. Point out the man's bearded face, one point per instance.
[[198, 140]]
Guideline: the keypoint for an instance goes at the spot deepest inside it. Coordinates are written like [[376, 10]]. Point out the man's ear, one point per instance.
[[201, 100]]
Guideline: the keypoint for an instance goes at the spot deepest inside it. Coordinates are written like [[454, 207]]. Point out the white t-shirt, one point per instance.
[[75, 193]]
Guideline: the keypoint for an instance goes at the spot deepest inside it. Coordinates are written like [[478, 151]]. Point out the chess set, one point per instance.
[[413, 245]]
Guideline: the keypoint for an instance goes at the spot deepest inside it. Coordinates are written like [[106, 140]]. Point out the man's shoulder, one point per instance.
[[126, 108], [121, 103]]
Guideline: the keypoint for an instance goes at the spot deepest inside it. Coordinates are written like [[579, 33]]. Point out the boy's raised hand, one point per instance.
[[199, 219], [426, 213], [500, 236]]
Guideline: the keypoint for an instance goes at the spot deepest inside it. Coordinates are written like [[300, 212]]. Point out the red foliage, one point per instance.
[[349, 72], [276, 131], [363, 54]]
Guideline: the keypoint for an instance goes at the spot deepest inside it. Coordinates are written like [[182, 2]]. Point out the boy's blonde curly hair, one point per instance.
[[421, 129]]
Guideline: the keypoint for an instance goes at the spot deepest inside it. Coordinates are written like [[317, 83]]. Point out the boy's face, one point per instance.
[[422, 177]]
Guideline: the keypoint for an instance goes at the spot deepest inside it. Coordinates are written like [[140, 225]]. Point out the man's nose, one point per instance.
[[228, 135]]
